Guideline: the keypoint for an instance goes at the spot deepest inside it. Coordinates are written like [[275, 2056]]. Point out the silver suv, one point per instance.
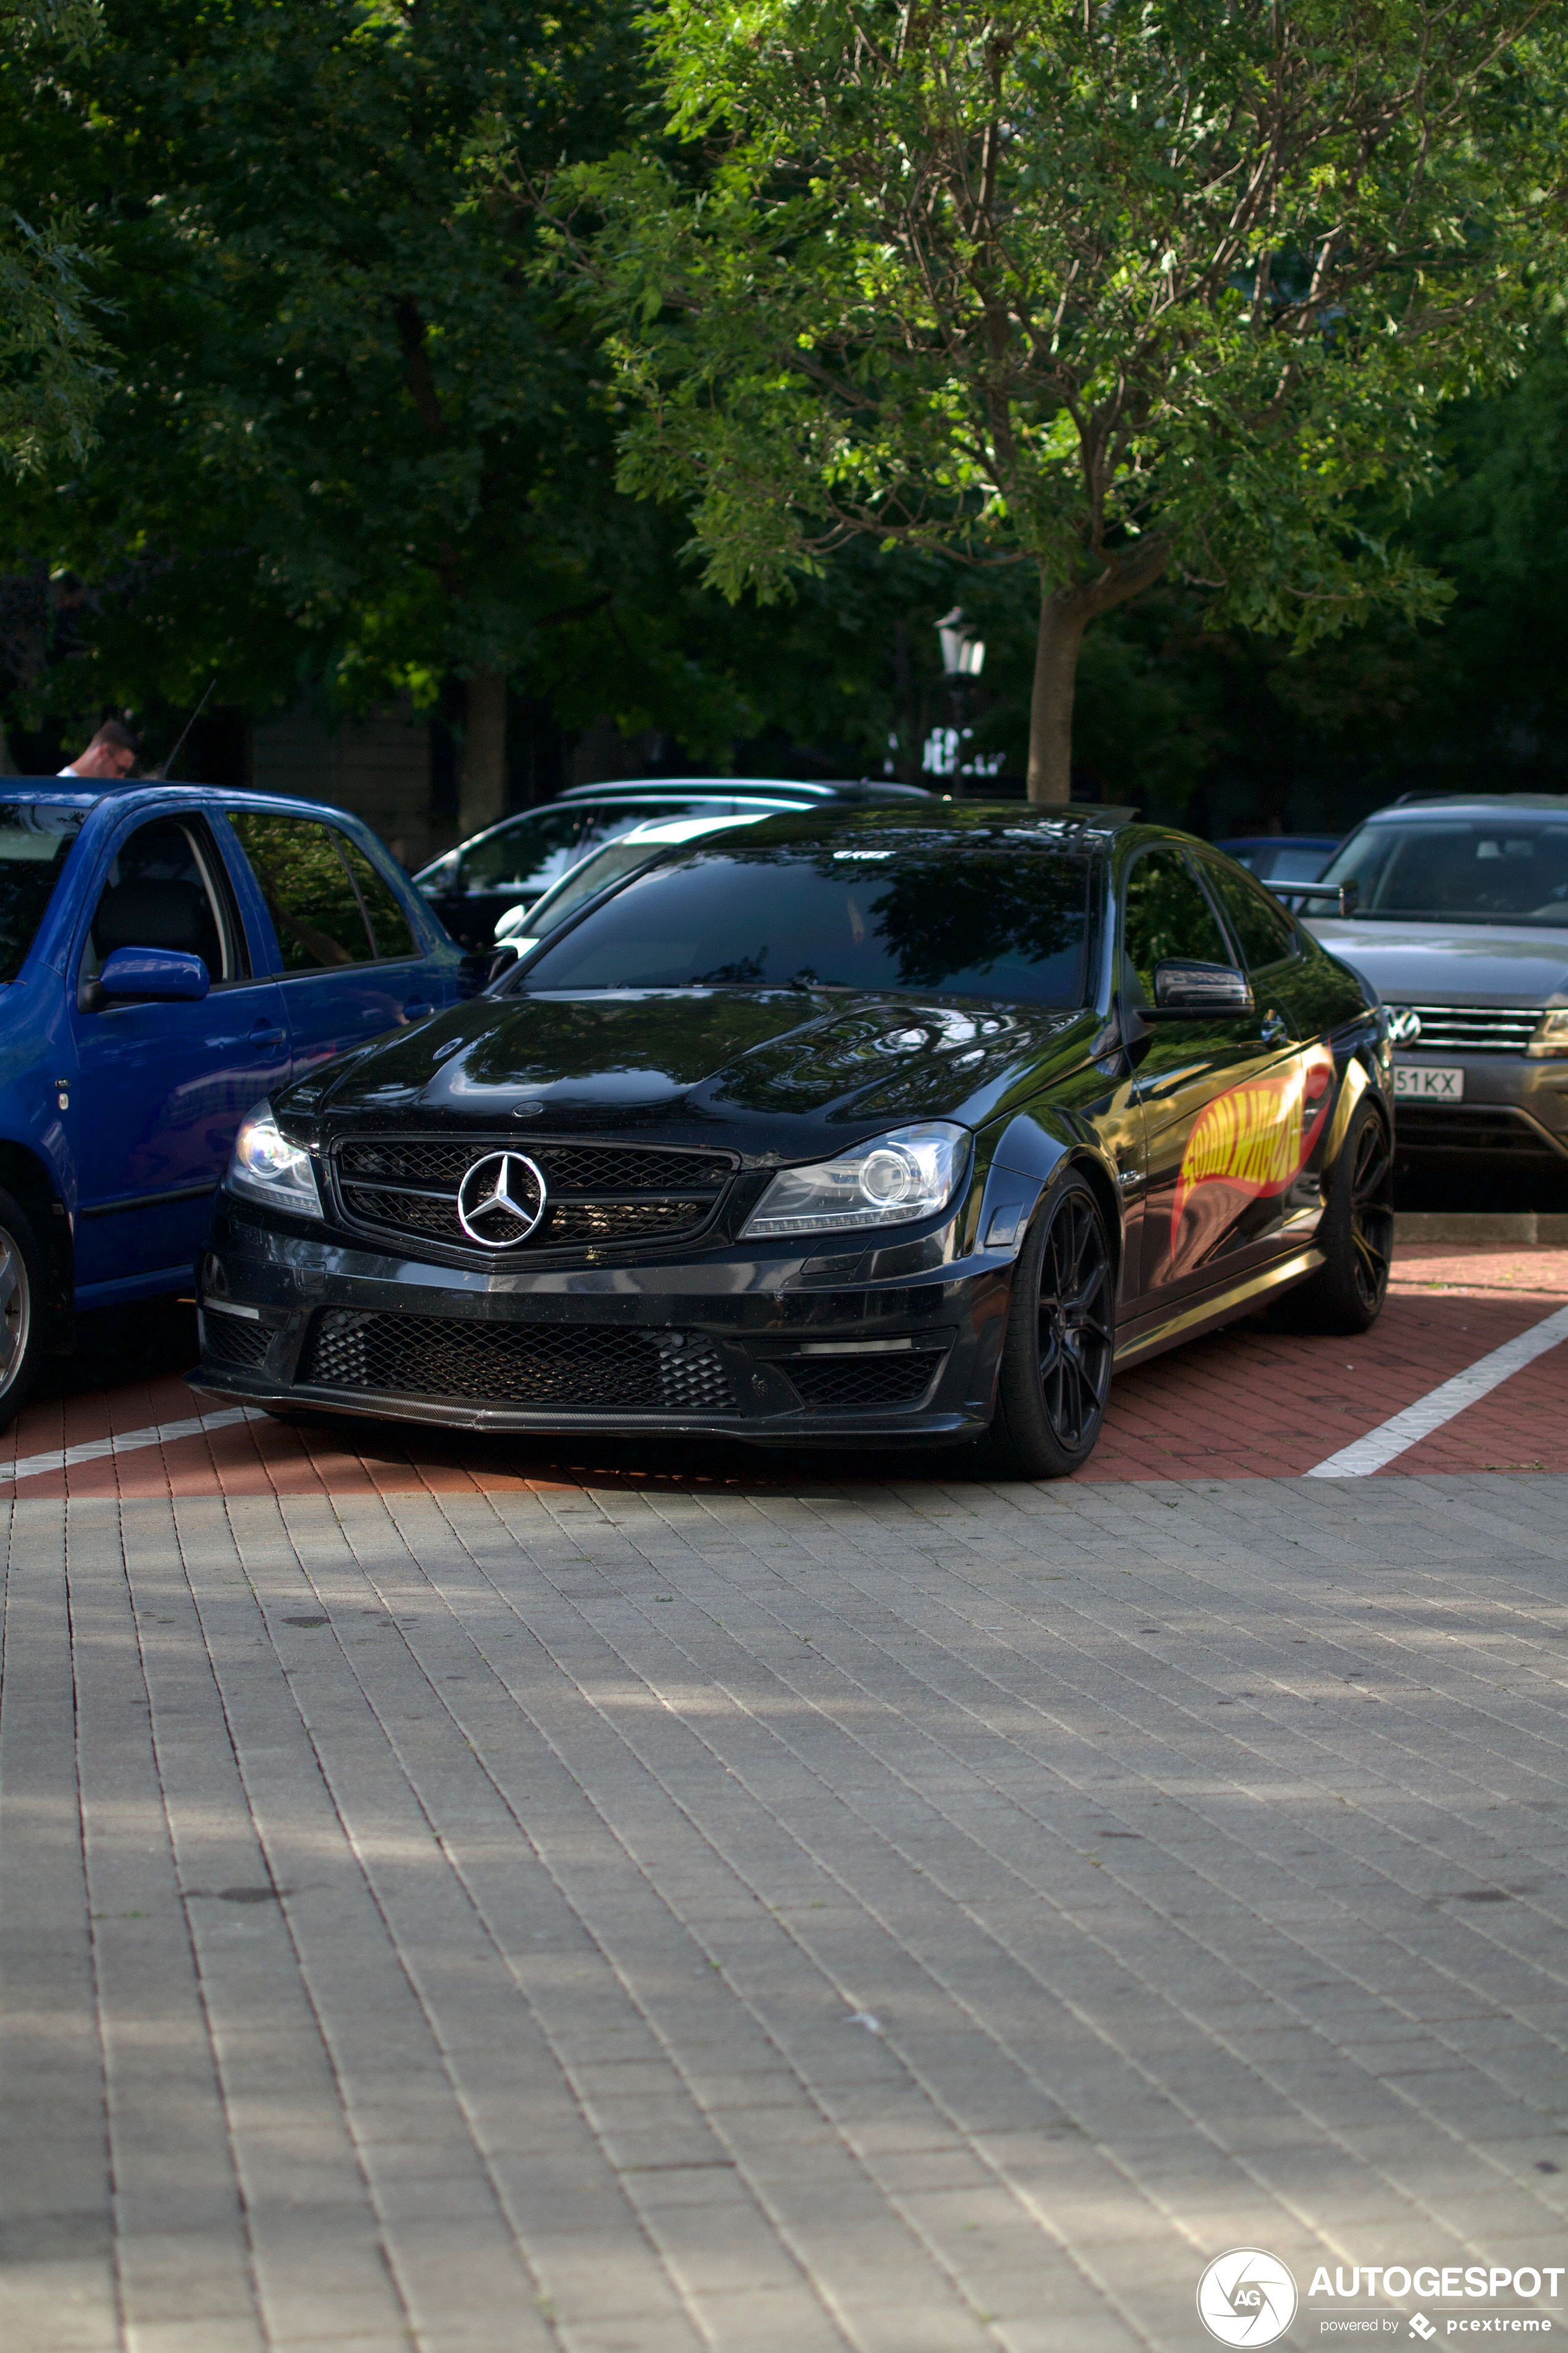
[[1461, 925]]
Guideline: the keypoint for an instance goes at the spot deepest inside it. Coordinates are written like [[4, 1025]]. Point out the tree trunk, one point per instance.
[[481, 793], [1063, 619]]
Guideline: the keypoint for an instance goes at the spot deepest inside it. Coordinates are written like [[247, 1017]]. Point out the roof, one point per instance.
[[84, 795], [1473, 805], [997, 821], [810, 793]]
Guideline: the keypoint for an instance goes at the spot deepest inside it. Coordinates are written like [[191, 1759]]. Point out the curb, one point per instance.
[[1480, 1225]]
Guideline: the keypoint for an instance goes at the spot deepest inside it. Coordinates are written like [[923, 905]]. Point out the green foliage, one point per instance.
[[346, 431], [52, 370], [1179, 287]]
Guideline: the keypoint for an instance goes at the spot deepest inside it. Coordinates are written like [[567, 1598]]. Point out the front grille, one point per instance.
[[1464, 1127], [844, 1383], [588, 1368], [1471, 1029], [233, 1340], [595, 1193]]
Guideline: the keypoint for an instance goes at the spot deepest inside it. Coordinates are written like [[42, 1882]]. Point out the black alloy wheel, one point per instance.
[[1061, 1340], [1356, 1234]]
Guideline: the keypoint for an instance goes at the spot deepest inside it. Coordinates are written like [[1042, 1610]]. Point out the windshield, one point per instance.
[[34, 843], [1491, 869], [938, 916], [613, 862], [596, 873]]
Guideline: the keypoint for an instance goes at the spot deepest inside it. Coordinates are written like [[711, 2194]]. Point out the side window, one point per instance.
[[389, 923], [1166, 915], [309, 892], [1265, 930], [166, 888], [526, 856]]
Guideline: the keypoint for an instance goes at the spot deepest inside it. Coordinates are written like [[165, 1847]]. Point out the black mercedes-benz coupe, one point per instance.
[[906, 1124]]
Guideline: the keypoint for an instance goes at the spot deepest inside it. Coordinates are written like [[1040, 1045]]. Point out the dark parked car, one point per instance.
[[1279, 858], [168, 952], [514, 864], [1461, 925], [898, 1124]]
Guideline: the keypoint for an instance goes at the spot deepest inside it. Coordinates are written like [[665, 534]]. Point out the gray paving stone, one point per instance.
[[498, 1941]]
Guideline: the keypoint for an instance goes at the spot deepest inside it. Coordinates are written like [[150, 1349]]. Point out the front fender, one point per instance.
[[1026, 1156]]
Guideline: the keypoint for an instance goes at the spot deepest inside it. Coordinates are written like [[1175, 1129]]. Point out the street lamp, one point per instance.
[[963, 660], [962, 652]]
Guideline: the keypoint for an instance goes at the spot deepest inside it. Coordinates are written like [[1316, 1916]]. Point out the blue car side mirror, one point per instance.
[[153, 972]]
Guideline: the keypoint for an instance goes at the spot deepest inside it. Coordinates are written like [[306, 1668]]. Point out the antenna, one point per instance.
[[158, 776]]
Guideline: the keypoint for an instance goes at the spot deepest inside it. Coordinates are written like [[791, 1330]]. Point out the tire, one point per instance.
[[1061, 1339], [1355, 1234], [22, 1316]]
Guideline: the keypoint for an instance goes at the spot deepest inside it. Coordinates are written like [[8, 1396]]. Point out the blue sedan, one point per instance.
[[169, 953]]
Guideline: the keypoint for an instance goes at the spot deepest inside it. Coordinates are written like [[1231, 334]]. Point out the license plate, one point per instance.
[[1419, 1083]]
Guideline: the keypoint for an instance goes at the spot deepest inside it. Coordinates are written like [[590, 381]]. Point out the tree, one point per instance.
[[52, 371], [1114, 291], [347, 434]]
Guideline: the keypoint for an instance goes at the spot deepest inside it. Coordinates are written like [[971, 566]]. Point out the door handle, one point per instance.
[[264, 1034], [1273, 1031], [416, 1012]]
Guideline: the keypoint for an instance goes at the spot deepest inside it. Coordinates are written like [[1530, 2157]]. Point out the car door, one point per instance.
[[346, 955], [1315, 996], [1220, 1096], [162, 1087]]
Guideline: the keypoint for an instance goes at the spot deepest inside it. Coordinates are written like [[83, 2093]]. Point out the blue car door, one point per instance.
[[348, 960], [162, 1087]]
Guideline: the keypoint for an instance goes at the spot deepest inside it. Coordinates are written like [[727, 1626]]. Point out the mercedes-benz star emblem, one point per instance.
[[501, 1200]]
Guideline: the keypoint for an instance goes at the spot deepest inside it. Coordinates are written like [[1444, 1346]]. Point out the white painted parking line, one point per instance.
[[1393, 1437], [125, 1441]]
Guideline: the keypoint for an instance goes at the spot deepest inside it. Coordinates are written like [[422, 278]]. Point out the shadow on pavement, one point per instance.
[[115, 1344]]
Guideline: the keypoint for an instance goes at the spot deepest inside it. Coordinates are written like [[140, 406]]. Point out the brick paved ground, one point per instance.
[[898, 1916], [461, 1899], [1247, 1402]]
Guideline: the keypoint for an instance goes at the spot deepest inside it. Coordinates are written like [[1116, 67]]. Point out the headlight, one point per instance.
[[1551, 1036], [890, 1181], [265, 1166]]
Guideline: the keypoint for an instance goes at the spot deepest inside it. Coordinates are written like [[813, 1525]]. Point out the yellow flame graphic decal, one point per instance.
[[1257, 1138]]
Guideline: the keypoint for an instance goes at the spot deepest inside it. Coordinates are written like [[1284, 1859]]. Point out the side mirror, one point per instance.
[[160, 973], [1185, 991], [482, 965]]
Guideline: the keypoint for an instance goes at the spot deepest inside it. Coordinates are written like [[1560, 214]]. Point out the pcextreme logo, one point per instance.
[[1246, 2297], [1254, 1140]]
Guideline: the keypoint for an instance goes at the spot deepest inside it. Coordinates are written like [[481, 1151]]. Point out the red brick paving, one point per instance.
[[1245, 1402]]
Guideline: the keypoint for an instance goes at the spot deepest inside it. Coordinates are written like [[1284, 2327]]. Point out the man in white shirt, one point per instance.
[[114, 752]]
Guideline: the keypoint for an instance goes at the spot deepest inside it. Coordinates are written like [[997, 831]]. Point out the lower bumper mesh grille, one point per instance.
[[848, 1382], [517, 1364], [233, 1340]]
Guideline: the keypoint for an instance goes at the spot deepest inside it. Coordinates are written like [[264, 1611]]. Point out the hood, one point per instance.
[[1450, 964], [774, 1073]]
